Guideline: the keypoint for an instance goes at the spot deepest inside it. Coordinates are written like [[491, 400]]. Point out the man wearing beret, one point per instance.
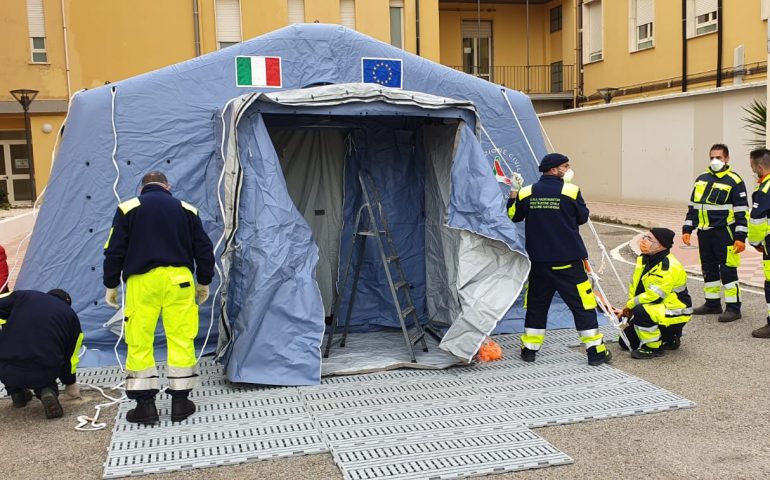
[[658, 301], [554, 210]]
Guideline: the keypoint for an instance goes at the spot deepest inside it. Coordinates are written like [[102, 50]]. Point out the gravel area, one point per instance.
[[719, 367]]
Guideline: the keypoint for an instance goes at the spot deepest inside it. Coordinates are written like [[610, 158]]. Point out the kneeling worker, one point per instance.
[[658, 302], [40, 338]]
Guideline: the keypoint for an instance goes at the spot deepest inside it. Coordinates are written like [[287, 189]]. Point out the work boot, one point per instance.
[[762, 332], [181, 408], [596, 359], [729, 316], [145, 412], [51, 405], [708, 309], [671, 343], [528, 355], [21, 398], [644, 353]]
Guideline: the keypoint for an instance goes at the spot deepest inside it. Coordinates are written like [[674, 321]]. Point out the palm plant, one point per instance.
[[756, 122]]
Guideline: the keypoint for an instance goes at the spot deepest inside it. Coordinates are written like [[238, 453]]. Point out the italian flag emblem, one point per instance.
[[499, 173], [258, 71]]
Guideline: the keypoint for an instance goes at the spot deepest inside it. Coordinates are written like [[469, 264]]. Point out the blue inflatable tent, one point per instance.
[[266, 138]]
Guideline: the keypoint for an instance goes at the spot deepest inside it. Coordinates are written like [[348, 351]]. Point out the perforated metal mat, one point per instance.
[[400, 424]]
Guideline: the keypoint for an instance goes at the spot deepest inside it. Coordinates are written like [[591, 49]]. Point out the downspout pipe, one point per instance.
[[720, 42], [684, 45], [417, 25], [196, 28], [579, 52], [66, 50]]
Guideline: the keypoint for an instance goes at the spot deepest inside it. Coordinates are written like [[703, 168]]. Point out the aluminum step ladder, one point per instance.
[[367, 226]]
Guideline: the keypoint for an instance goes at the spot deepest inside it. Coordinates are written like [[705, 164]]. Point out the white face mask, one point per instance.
[[716, 165], [568, 176]]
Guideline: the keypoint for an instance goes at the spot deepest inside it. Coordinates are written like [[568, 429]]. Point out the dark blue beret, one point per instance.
[[552, 160]]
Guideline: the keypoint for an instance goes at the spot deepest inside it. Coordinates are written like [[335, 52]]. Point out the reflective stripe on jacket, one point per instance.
[[718, 200], [661, 290]]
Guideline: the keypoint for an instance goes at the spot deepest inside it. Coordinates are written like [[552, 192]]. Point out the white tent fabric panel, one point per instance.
[[312, 162]]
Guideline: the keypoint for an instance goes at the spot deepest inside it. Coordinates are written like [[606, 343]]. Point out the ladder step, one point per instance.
[[416, 337], [408, 311], [392, 258], [401, 284], [370, 233]]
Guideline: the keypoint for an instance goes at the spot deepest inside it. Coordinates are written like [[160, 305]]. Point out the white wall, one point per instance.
[[648, 152]]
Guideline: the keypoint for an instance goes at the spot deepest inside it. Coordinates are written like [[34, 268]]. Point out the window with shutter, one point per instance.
[[228, 21], [592, 31], [296, 11], [397, 23], [702, 16], [36, 23], [348, 13], [644, 24]]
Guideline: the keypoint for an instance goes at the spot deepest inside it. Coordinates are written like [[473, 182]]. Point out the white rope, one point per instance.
[[499, 154], [523, 134], [117, 197], [89, 424]]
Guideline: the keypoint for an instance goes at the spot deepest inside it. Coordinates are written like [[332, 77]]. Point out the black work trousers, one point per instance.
[[571, 281], [719, 265], [19, 377]]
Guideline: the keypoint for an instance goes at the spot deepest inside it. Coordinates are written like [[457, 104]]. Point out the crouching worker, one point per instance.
[[40, 339], [658, 302]]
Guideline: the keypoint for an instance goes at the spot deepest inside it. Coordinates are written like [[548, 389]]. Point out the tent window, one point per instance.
[[296, 11], [36, 23], [397, 23], [592, 31], [228, 21], [348, 13], [640, 24], [701, 17]]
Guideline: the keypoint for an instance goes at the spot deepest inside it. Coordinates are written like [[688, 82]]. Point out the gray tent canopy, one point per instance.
[[291, 192]]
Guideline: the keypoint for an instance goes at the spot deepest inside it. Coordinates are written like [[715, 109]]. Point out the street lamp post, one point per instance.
[[25, 97]]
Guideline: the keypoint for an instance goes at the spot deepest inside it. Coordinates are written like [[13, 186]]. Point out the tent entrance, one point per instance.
[[409, 159]]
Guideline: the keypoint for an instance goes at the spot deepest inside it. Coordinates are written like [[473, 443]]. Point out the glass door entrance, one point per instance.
[[14, 172]]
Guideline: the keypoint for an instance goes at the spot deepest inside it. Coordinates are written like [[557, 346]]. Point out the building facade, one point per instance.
[[562, 53]]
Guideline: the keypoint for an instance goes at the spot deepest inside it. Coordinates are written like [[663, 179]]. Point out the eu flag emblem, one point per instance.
[[383, 71]]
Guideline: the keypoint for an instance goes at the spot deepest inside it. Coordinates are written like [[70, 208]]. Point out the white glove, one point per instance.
[[72, 391], [111, 298], [517, 181], [201, 293]]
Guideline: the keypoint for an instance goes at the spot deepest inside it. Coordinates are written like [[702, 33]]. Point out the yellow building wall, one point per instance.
[[111, 40], [621, 68], [17, 71], [42, 146]]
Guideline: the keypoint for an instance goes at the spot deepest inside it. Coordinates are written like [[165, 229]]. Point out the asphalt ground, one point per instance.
[[719, 366]]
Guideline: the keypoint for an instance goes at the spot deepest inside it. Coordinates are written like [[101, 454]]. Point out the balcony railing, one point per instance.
[[533, 79]]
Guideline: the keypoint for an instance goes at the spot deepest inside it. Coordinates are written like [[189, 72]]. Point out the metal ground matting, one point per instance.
[[399, 424]]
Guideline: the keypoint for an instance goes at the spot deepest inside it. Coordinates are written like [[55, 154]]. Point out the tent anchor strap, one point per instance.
[[368, 226]]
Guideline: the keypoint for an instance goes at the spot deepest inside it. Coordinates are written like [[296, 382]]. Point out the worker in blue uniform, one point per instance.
[[155, 244], [554, 209], [40, 338]]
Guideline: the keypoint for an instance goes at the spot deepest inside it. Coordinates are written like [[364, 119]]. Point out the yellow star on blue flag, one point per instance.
[[383, 71]]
